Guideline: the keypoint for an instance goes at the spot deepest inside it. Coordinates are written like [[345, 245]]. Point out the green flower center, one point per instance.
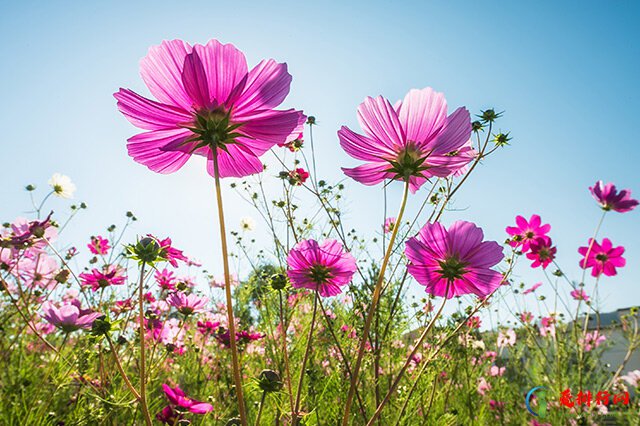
[[452, 268], [320, 274], [213, 128], [409, 162], [601, 257]]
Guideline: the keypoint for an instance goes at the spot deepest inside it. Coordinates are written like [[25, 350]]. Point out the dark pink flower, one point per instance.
[[526, 317], [525, 232], [294, 144], [69, 316], [542, 252], [610, 199], [108, 276], [298, 176], [457, 256], [208, 328], [602, 258], [592, 340], [170, 253], [532, 288], [323, 267], [579, 294], [99, 245], [169, 416], [165, 279], [208, 100], [389, 224], [177, 397], [187, 304], [474, 322], [415, 140]]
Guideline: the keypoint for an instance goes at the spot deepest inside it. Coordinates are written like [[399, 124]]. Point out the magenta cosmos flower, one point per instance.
[[208, 101], [178, 398], [414, 140], [70, 316], [527, 231], [602, 258], [457, 256], [541, 252], [323, 267], [187, 304], [99, 245], [108, 276], [610, 199]]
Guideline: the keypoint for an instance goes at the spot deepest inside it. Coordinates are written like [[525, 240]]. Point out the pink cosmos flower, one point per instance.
[[165, 279], [592, 340], [483, 386], [525, 232], [496, 371], [610, 199], [602, 258], [69, 316], [526, 317], [532, 288], [474, 322], [579, 294], [542, 253], [294, 144], [208, 100], [178, 398], [457, 256], [389, 224], [187, 304], [99, 245], [632, 377], [170, 416], [170, 253], [323, 267], [548, 326], [298, 176], [208, 328], [218, 282], [506, 338], [108, 276], [414, 140]]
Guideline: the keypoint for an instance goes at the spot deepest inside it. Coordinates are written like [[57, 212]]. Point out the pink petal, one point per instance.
[[194, 80], [267, 86], [362, 147], [268, 128], [147, 114], [422, 114], [237, 163], [161, 71], [369, 173], [464, 237], [456, 133], [225, 66], [151, 149], [380, 121]]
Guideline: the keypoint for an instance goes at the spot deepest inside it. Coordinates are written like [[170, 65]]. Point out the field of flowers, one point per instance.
[[315, 327]]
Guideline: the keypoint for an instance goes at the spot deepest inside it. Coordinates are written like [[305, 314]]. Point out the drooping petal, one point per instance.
[[266, 88], [237, 162], [268, 128], [422, 114], [147, 114], [380, 121], [225, 66], [160, 150], [161, 71], [369, 173]]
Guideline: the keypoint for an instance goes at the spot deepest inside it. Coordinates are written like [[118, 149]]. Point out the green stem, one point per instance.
[[143, 359], [294, 415]]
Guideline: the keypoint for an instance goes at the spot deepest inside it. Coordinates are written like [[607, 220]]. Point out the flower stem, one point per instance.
[[227, 286], [285, 352], [121, 370], [374, 303], [143, 360], [264, 395], [294, 415]]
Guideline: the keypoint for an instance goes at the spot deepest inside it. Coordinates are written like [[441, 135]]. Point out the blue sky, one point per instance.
[[565, 73]]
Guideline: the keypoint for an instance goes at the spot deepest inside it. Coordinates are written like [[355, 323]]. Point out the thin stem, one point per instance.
[[294, 415], [227, 287], [285, 352], [264, 395], [121, 370], [143, 360], [416, 347], [372, 308]]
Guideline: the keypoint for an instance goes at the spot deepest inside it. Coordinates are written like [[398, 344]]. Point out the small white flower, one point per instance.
[[247, 224], [62, 185], [478, 344]]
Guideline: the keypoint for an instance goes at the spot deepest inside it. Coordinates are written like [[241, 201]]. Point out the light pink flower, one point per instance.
[[178, 398], [592, 340], [187, 304], [632, 377], [526, 317], [483, 386], [99, 245], [323, 267], [610, 199], [69, 316], [457, 256], [506, 338], [579, 294], [542, 252], [496, 371], [108, 276], [414, 140], [527, 231], [208, 100], [602, 258], [389, 224], [532, 288], [165, 279], [548, 326]]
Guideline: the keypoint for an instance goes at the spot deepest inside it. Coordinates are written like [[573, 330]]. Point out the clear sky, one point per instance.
[[566, 73]]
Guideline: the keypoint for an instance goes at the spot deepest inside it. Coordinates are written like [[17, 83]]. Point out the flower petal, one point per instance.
[[380, 121], [369, 173], [225, 66], [160, 150], [423, 113], [237, 162], [362, 147], [267, 86], [147, 114]]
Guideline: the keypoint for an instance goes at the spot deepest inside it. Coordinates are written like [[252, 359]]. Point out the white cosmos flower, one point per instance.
[[247, 224], [62, 185]]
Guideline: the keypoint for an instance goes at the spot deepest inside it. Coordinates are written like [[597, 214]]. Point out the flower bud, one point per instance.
[[278, 281], [101, 327], [269, 381]]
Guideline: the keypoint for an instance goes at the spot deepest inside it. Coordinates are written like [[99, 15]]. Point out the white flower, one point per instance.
[[62, 185], [478, 344], [247, 224]]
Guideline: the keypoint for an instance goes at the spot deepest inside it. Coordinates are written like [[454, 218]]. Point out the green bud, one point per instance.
[[501, 139], [101, 327], [311, 120], [269, 381], [30, 187], [146, 250], [278, 281]]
